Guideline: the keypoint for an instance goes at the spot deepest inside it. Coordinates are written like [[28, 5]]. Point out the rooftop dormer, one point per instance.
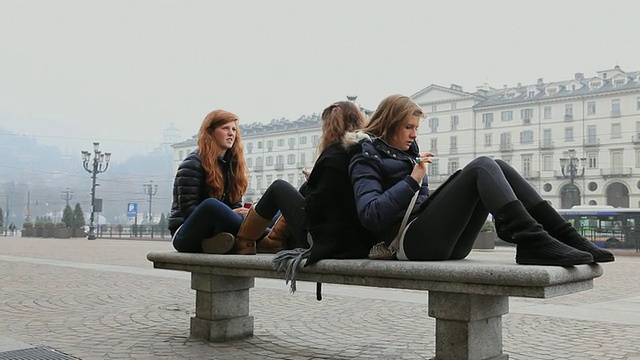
[[619, 80], [595, 83], [608, 74], [573, 85]]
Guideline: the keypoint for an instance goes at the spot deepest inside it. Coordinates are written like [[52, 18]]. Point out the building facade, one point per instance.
[[576, 141]]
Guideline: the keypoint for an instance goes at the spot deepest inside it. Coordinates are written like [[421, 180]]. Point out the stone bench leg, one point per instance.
[[468, 327], [222, 307]]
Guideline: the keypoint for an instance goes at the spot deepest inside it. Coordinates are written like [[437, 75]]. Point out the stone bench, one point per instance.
[[466, 297]]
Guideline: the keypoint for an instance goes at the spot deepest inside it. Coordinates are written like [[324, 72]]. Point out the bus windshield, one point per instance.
[[604, 225]]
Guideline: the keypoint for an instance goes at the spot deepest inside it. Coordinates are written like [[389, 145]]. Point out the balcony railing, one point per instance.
[[258, 168], [591, 142], [568, 117], [635, 138], [279, 167], [616, 172], [546, 145], [615, 113], [506, 147]]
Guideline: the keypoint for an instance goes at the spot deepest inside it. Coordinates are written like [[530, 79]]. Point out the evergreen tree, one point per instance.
[[78, 217], [67, 216], [162, 225], [163, 221], [1, 219]]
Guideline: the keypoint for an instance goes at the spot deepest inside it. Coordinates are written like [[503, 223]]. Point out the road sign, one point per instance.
[[132, 209]]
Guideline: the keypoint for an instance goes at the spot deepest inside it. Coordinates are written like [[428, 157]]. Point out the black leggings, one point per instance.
[[451, 221], [282, 196]]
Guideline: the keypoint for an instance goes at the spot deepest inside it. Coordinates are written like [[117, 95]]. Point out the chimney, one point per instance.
[[579, 76], [540, 81]]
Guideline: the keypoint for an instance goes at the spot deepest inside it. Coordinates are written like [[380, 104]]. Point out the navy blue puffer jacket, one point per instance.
[[190, 188], [383, 186]]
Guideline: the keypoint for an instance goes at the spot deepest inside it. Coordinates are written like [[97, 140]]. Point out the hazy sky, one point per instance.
[[119, 72]]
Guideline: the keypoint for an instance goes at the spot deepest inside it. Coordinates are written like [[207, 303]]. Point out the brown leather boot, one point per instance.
[[250, 231], [277, 238], [221, 243]]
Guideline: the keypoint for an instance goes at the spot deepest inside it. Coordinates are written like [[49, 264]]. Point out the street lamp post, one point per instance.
[[100, 165], [571, 168], [150, 189], [67, 195]]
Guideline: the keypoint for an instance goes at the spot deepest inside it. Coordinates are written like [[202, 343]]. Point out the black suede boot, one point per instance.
[[534, 246], [562, 230]]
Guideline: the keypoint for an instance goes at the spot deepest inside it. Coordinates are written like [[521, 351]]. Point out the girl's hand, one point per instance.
[[420, 170], [306, 173], [242, 211], [424, 157]]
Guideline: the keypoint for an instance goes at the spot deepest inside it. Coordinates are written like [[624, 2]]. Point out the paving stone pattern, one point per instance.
[[90, 313]]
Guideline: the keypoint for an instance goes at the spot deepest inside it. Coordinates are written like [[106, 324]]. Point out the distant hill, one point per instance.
[[44, 176]]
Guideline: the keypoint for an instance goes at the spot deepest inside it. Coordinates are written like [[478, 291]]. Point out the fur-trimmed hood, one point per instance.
[[351, 138]]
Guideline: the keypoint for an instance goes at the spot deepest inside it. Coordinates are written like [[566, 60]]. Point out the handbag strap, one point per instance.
[[395, 243]]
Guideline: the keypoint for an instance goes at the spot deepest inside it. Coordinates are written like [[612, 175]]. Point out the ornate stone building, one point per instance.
[[577, 141]]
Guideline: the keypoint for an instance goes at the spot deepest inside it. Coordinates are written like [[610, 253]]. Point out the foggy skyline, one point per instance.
[[120, 72]]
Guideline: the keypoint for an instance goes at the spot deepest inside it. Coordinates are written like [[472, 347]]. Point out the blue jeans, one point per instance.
[[209, 218]]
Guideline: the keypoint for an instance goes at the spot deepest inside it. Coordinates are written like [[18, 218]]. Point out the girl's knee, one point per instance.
[[483, 162], [210, 202], [280, 184]]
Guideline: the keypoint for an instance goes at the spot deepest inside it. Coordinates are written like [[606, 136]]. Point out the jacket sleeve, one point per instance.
[[378, 208], [422, 197], [190, 179]]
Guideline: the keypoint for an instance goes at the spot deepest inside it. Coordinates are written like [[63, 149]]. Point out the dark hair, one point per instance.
[[338, 118]]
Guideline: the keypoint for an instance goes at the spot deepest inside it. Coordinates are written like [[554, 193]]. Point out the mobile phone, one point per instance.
[[248, 205]]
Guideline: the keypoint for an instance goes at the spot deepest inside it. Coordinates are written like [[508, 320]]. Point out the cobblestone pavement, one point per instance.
[[101, 299]]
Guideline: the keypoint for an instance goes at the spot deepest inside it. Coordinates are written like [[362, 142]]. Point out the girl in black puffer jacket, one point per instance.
[[388, 171], [206, 211]]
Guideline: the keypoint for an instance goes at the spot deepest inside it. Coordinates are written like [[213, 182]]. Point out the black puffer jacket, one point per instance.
[[190, 188], [330, 210], [383, 186]]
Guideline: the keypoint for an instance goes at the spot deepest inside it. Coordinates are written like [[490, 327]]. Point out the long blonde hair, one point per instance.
[[210, 151], [392, 112], [338, 118]]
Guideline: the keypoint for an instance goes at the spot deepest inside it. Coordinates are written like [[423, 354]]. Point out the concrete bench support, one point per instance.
[[222, 307], [466, 297], [468, 326]]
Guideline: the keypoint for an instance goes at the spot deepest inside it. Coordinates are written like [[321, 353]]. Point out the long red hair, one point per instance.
[[210, 151]]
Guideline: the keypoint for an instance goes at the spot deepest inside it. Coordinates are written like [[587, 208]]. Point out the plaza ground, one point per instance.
[[102, 299]]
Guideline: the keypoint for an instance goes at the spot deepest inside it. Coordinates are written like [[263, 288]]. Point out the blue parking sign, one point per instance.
[[132, 209]]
